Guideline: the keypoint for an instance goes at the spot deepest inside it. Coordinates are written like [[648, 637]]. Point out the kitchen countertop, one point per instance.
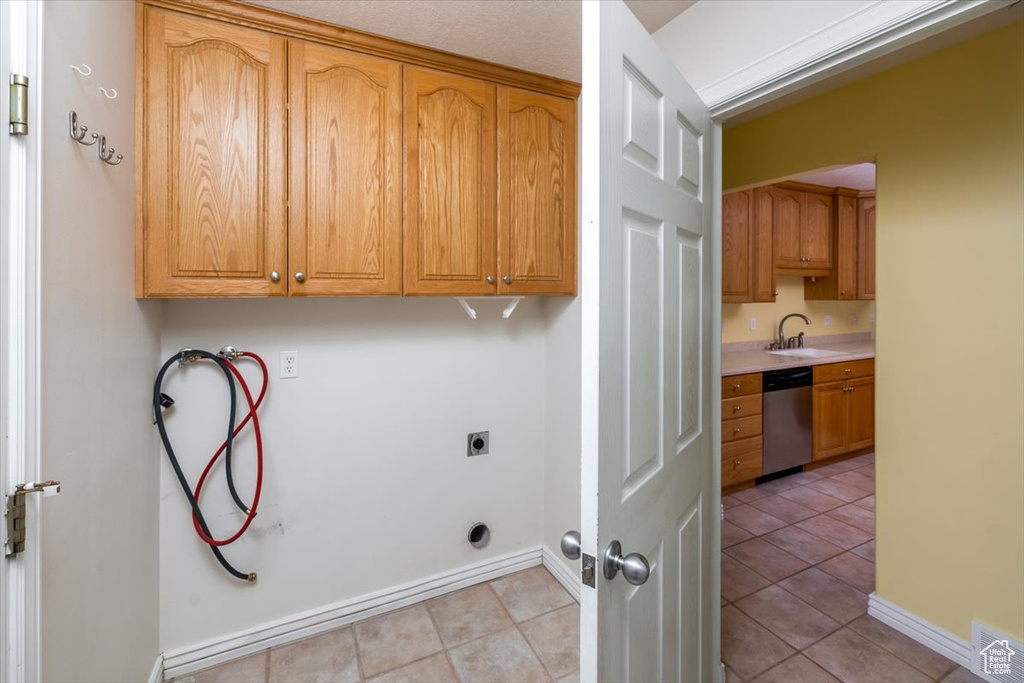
[[751, 357]]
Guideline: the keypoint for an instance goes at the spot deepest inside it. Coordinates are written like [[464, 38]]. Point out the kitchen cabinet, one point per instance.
[[742, 428], [450, 184], [748, 274], [866, 247], [278, 156], [843, 408], [211, 169], [801, 229], [345, 197]]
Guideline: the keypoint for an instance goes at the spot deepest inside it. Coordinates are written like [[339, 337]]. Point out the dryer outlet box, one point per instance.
[[478, 443]]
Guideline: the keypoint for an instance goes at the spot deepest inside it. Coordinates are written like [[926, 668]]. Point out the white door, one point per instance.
[[647, 475]]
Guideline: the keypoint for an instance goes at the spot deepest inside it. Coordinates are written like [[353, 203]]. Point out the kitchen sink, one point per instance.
[[809, 353]]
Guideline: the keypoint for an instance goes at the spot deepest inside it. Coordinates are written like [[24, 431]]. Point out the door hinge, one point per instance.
[[15, 542], [587, 569], [19, 104]]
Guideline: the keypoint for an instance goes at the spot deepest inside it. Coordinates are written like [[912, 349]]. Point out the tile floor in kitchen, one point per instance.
[[521, 627], [798, 563]]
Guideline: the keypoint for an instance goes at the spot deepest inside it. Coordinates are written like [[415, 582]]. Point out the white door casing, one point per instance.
[[648, 479]]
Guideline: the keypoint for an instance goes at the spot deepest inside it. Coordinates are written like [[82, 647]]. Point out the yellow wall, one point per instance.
[[947, 131], [736, 317]]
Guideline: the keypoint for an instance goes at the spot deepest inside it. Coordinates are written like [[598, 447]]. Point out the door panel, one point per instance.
[[647, 451], [214, 142], [536, 176], [786, 206], [816, 230], [829, 412], [450, 164], [346, 172]]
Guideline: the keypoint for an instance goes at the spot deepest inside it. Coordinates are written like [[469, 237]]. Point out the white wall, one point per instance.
[[99, 345], [367, 484], [562, 370], [714, 39]]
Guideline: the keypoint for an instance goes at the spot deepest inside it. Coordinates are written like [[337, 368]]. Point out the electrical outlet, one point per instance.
[[828, 321], [753, 324], [478, 443], [289, 364], [854, 319], [871, 318]]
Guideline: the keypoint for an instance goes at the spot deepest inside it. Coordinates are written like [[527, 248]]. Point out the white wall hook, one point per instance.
[[85, 69], [108, 95], [470, 311], [511, 308], [505, 314]]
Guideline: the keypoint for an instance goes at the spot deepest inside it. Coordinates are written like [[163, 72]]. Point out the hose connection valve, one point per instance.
[[230, 353]]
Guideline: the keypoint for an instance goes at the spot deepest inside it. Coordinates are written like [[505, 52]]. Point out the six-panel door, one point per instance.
[[345, 137], [213, 155], [450, 164], [536, 180]]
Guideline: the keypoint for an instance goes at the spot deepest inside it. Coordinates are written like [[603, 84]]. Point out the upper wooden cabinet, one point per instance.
[[802, 231], [345, 139], [786, 207], [866, 248], [536, 204], [853, 251], [450, 184], [279, 156], [747, 271], [212, 157]]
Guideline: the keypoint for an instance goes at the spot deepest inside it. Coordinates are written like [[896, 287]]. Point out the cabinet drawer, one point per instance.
[[741, 385], [741, 428], [832, 372], [741, 460], [741, 406]]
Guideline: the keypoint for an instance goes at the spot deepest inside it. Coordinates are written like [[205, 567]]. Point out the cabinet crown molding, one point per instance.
[[293, 26]]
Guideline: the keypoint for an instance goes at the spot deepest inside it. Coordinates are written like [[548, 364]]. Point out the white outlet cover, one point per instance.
[[828, 321], [854, 319], [753, 324], [871, 317], [289, 364]]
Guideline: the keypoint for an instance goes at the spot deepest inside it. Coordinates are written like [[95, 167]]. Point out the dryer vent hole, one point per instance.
[[479, 535]]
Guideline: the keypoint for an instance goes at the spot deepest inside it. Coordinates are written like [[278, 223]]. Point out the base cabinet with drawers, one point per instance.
[[742, 443], [844, 408]]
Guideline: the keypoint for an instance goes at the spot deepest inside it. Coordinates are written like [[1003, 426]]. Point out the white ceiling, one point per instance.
[[542, 36], [654, 14], [859, 177]]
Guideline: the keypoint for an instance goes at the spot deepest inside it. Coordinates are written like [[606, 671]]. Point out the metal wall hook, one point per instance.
[[78, 132], [107, 153], [108, 95], [85, 69]]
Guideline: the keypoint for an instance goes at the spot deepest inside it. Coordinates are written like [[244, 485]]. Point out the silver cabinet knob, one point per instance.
[[300, 276], [571, 545], [275, 276], [634, 566], [507, 279], [490, 279]]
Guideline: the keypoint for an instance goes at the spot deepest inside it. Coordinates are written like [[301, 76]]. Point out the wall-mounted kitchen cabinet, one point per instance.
[[866, 247], [273, 165], [801, 230], [748, 273], [853, 251]]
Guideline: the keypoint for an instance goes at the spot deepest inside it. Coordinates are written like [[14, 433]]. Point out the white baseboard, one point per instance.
[[570, 581], [200, 656], [924, 632], [157, 674]]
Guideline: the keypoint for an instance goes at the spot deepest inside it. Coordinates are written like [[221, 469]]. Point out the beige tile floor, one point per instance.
[[798, 563], [521, 627]]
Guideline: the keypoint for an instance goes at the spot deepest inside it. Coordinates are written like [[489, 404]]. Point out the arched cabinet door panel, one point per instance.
[[212, 159]]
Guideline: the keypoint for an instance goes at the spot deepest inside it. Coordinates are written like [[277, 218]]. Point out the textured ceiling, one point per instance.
[[542, 36], [654, 14], [859, 177]]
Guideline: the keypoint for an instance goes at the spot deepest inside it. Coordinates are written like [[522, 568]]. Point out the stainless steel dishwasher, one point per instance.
[[787, 418]]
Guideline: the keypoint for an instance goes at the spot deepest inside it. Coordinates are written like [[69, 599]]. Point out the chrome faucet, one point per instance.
[[782, 342]]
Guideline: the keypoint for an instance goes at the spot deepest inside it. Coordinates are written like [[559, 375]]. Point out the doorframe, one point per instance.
[[20, 211]]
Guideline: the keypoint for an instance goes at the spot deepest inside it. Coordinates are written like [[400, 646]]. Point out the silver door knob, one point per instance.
[[490, 279], [634, 566], [300, 276], [507, 279], [571, 545], [275, 276]]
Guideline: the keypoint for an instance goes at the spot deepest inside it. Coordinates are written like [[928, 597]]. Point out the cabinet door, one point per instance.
[[846, 248], [450, 170], [786, 221], [213, 159], [737, 248], [860, 413], [763, 258], [829, 428], [536, 193], [345, 204], [866, 249], [816, 230]]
